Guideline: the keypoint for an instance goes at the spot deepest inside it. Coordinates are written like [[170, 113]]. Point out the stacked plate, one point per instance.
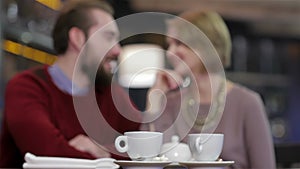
[[36, 162], [173, 165]]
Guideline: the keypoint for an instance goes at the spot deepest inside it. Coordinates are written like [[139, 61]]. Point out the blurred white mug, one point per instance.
[[140, 145], [206, 147]]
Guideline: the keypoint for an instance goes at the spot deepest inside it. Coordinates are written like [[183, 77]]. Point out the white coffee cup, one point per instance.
[[206, 147], [140, 145]]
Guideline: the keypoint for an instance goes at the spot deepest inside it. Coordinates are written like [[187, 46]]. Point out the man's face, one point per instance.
[[103, 46]]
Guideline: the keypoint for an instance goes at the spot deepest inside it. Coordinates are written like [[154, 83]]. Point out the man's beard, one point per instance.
[[102, 78]]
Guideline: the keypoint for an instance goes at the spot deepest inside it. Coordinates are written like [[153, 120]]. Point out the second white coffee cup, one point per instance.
[[140, 145], [206, 147]]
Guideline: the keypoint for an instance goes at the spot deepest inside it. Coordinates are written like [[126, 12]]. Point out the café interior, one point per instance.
[[265, 53]]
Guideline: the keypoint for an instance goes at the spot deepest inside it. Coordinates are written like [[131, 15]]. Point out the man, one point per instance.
[[42, 104]]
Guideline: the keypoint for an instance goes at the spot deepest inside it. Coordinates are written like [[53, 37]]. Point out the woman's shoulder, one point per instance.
[[243, 92], [247, 100], [244, 96]]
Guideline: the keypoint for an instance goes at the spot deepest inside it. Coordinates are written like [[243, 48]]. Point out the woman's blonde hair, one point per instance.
[[213, 26]]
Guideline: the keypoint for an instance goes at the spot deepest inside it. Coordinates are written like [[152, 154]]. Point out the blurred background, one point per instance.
[[265, 58]]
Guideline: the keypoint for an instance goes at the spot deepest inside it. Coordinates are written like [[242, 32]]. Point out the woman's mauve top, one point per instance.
[[247, 137]]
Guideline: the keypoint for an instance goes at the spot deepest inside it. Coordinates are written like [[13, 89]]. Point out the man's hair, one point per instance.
[[75, 13]]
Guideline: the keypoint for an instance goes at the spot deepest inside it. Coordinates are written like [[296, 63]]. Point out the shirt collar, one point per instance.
[[64, 83]]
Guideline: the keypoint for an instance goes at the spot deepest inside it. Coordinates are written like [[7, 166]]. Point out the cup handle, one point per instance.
[[118, 140], [198, 144]]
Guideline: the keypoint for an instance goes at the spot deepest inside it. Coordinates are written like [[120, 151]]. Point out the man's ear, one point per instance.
[[76, 38]]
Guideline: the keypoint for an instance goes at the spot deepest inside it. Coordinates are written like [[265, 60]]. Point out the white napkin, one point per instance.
[[33, 161]]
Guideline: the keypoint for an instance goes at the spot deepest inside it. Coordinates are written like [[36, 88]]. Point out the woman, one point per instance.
[[208, 102]]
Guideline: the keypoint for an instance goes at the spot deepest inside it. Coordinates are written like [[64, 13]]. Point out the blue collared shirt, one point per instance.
[[63, 82]]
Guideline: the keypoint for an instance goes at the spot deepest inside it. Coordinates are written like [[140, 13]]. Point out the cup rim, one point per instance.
[[136, 132], [206, 134]]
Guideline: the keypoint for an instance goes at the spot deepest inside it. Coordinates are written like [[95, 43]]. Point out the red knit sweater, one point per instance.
[[41, 119]]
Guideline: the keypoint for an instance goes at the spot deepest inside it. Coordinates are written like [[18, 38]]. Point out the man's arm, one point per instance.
[[28, 118]]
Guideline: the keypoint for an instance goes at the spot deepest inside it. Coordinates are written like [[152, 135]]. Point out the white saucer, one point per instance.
[[142, 164], [192, 164]]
